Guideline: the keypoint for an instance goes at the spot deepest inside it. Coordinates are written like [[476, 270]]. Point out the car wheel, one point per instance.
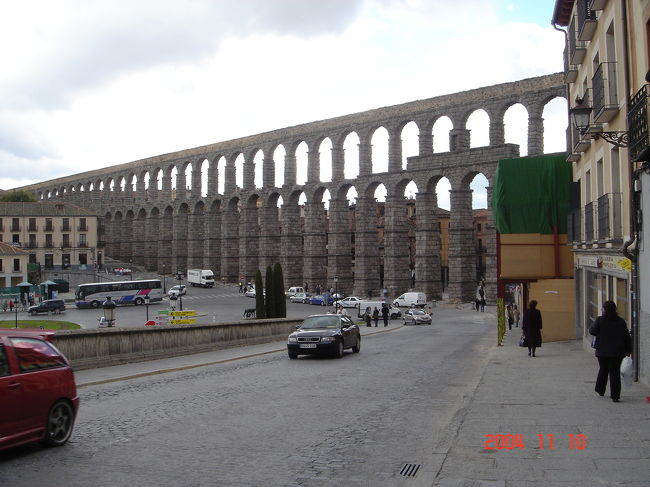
[[393, 316], [357, 347], [31, 313], [138, 301], [339, 349], [61, 309], [323, 303], [95, 304], [59, 424]]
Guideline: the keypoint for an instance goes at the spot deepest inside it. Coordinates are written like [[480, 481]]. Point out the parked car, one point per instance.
[[47, 306], [350, 302], [178, 290], [38, 390], [322, 300], [324, 334], [299, 298], [250, 292], [416, 317]]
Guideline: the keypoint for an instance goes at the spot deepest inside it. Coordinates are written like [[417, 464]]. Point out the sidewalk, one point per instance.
[[551, 394]]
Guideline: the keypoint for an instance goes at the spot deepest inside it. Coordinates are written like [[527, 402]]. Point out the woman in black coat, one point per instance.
[[531, 326], [613, 342]]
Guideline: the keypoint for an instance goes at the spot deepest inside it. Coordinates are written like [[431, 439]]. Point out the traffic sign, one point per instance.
[[182, 313], [189, 321]]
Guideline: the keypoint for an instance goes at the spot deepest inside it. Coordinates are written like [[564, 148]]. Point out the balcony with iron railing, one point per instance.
[[49, 227], [574, 225], [605, 93], [577, 48], [610, 218], [32, 228], [586, 20], [15, 227], [637, 121], [82, 228], [570, 71], [32, 244], [83, 245], [590, 236]]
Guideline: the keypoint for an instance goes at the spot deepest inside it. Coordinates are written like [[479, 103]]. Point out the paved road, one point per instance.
[[269, 421], [217, 305]]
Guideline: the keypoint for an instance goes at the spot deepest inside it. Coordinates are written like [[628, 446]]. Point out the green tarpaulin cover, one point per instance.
[[531, 194]]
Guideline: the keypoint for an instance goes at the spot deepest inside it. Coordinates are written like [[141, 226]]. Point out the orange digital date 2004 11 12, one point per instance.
[[512, 441]]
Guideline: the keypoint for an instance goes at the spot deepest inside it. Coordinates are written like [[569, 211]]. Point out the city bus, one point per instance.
[[121, 292]]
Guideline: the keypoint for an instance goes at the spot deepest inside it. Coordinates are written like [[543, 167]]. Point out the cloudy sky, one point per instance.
[[88, 84]]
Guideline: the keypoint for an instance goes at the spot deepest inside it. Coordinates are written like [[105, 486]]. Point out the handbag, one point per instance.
[[522, 341], [627, 371]]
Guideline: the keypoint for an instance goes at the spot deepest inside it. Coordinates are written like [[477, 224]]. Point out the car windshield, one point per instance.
[[320, 322], [417, 312]]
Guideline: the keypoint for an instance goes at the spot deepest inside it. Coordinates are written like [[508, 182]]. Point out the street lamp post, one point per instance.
[[109, 311], [336, 291], [146, 304], [179, 276], [164, 281]]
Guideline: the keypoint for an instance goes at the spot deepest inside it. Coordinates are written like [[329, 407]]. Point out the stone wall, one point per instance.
[[112, 346]]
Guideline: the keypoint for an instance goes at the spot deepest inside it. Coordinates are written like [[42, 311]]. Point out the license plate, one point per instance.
[[307, 345]]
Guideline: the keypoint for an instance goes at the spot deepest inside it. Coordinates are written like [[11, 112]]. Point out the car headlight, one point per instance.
[[292, 339], [327, 339]]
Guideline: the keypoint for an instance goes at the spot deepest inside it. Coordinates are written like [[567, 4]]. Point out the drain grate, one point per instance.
[[410, 469]]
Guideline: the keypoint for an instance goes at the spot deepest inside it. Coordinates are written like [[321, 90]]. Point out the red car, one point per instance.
[[38, 394]]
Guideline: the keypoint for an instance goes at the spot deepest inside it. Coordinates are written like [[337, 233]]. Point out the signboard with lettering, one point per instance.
[[188, 321]]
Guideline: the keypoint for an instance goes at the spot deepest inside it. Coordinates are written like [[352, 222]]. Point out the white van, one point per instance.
[[294, 290], [411, 299]]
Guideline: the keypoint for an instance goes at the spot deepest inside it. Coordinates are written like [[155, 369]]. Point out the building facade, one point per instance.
[[606, 59], [13, 265], [54, 235]]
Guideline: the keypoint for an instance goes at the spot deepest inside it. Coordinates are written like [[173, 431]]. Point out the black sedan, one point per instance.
[[324, 334]]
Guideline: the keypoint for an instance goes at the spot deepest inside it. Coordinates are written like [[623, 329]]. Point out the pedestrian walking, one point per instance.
[[367, 317], [375, 316], [612, 344], [516, 314], [478, 304], [11, 305], [482, 304], [384, 313], [531, 326], [510, 316]]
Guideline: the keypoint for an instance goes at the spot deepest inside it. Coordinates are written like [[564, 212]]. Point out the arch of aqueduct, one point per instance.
[[238, 230]]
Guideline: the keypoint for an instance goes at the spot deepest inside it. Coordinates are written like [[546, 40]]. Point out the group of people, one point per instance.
[[612, 342], [373, 315]]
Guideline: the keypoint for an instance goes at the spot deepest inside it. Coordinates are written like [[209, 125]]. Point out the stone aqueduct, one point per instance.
[[242, 229]]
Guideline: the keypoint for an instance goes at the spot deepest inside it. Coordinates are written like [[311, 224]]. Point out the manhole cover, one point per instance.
[[410, 469]]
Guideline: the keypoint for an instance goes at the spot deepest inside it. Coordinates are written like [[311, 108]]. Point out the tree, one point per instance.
[[19, 195], [270, 298], [260, 309], [278, 285]]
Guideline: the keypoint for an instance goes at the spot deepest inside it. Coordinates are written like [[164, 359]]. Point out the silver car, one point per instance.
[[416, 317]]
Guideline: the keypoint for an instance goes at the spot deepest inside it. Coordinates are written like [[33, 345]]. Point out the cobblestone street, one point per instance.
[[268, 420]]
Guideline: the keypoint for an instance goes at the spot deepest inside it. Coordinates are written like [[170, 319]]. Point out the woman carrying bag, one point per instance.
[[531, 326], [613, 343]]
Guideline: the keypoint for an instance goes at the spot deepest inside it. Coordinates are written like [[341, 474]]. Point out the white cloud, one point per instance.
[[93, 84]]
